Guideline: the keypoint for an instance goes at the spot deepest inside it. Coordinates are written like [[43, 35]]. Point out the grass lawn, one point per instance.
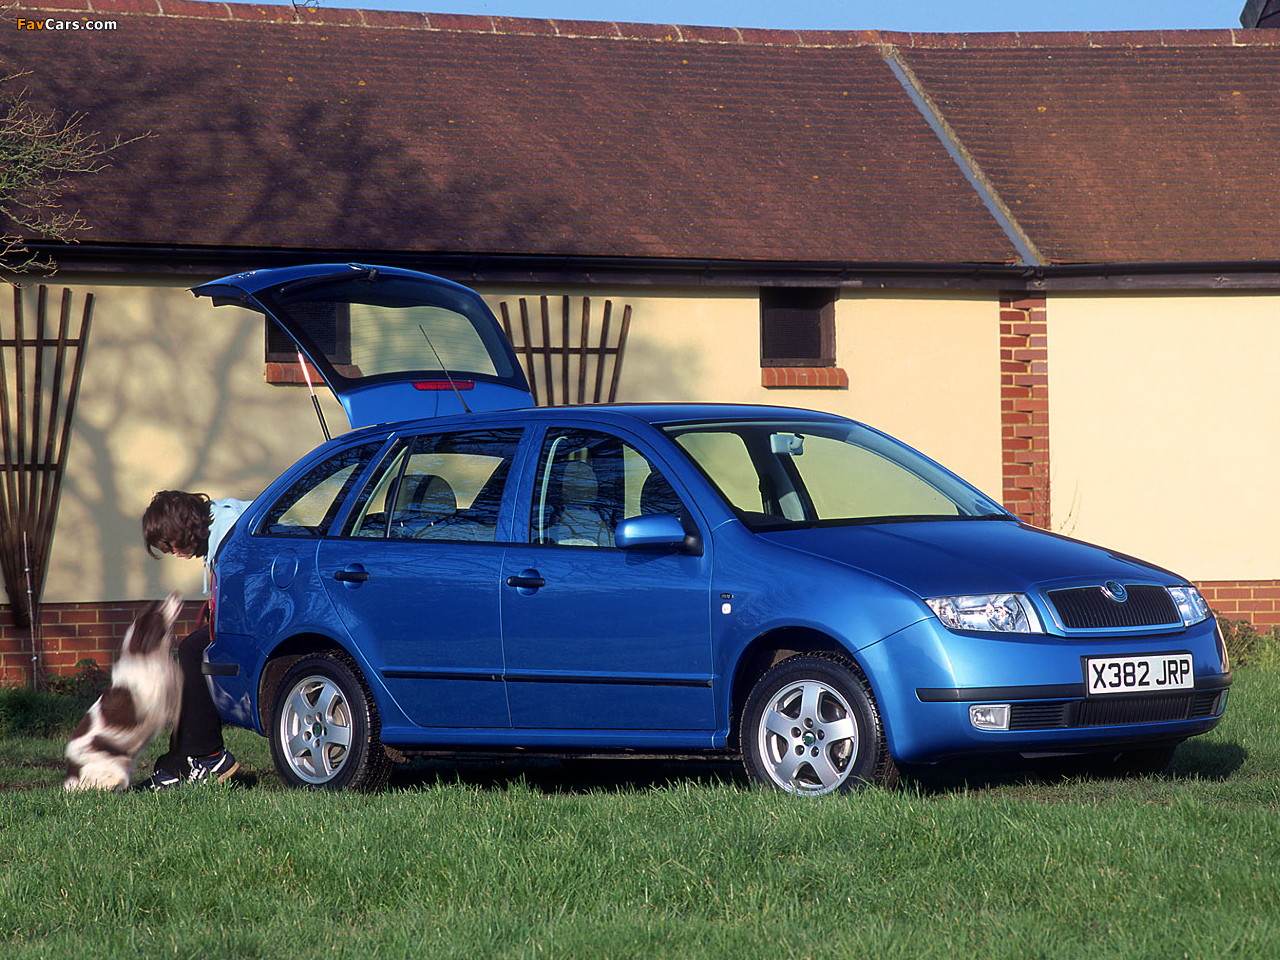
[[539, 860]]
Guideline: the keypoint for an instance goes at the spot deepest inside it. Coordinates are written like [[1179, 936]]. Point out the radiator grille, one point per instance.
[[1088, 608], [1110, 711], [1040, 716]]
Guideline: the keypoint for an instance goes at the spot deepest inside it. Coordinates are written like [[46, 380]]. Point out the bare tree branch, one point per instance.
[[39, 152]]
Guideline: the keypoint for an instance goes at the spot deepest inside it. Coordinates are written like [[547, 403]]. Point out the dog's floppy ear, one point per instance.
[[154, 625], [170, 607]]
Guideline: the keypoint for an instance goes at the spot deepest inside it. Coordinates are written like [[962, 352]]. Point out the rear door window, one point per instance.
[[439, 486]]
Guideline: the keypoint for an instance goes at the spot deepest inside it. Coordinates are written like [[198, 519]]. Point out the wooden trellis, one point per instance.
[[579, 361], [39, 382]]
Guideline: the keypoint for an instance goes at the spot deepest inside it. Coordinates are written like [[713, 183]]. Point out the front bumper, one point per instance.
[[926, 678]]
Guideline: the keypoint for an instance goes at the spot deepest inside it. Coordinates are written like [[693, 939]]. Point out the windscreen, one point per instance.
[[783, 474]]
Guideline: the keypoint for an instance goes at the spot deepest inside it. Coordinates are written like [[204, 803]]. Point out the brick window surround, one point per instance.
[[804, 377], [798, 339], [290, 373]]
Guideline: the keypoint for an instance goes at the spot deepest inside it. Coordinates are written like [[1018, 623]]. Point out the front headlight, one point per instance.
[[1191, 606], [988, 612]]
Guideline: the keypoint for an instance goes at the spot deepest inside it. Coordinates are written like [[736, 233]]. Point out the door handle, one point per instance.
[[351, 575], [526, 580]]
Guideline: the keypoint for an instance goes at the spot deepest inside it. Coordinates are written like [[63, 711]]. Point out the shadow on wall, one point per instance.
[[581, 349], [656, 372], [173, 398]]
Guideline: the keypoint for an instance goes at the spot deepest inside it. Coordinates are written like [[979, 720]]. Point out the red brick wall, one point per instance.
[[832, 377], [69, 633], [1255, 600], [1024, 406]]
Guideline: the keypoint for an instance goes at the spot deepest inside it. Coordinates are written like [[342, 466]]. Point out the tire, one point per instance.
[[325, 730], [811, 727]]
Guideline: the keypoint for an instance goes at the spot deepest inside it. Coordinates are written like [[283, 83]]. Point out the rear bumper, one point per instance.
[[230, 661]]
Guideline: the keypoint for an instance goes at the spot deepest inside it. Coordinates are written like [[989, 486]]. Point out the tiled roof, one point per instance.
[[414, 133], [1123, 153]]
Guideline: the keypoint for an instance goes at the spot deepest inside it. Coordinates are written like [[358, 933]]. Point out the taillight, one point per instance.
[[213, 602]]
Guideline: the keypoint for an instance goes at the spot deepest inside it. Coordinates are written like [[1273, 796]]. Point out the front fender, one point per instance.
[[762, 591]]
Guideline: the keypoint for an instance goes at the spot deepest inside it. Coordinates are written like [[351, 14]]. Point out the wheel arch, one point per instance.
[[763, 653], [284, 656]]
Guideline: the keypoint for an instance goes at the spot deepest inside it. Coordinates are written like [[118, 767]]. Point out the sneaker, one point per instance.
[[160, 780], [216, 768]]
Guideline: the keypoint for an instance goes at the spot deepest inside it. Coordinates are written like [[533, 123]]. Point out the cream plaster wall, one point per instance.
[[926, 368], [923, 367], [1165, 411], [173, 397], [681, 346], [1165, 428]]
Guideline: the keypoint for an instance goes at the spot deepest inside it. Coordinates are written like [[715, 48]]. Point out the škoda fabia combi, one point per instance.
[[466, 573]]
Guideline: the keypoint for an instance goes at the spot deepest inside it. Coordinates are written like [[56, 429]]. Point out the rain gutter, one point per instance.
[[123, 259]]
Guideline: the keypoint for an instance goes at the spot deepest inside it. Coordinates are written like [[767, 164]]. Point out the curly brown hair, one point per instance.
[[177, 522]]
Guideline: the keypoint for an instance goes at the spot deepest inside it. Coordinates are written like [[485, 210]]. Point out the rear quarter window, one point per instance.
[[308, 507]]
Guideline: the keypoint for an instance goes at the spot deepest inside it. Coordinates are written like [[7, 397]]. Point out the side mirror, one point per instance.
[[650, 530]]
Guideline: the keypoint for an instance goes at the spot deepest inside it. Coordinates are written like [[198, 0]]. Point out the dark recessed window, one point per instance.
[[797, 327], [328, 324]]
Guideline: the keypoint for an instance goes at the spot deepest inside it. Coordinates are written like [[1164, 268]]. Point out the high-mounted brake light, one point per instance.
[[444, 385]]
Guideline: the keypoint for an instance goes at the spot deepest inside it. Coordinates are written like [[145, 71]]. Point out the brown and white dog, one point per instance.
[[145, 693]]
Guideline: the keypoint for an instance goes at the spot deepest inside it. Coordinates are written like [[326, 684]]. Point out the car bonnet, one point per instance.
[[958, 557]]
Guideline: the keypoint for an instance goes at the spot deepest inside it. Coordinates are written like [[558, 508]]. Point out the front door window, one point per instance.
[[590, 482]]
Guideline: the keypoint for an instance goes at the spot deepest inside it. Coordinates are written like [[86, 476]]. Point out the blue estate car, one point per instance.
[[465, 573]]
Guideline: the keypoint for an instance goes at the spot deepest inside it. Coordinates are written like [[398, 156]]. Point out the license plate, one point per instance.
[[1163, 671]]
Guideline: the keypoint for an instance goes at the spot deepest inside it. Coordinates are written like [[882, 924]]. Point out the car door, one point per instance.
[[599, 638], [415, 578]]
